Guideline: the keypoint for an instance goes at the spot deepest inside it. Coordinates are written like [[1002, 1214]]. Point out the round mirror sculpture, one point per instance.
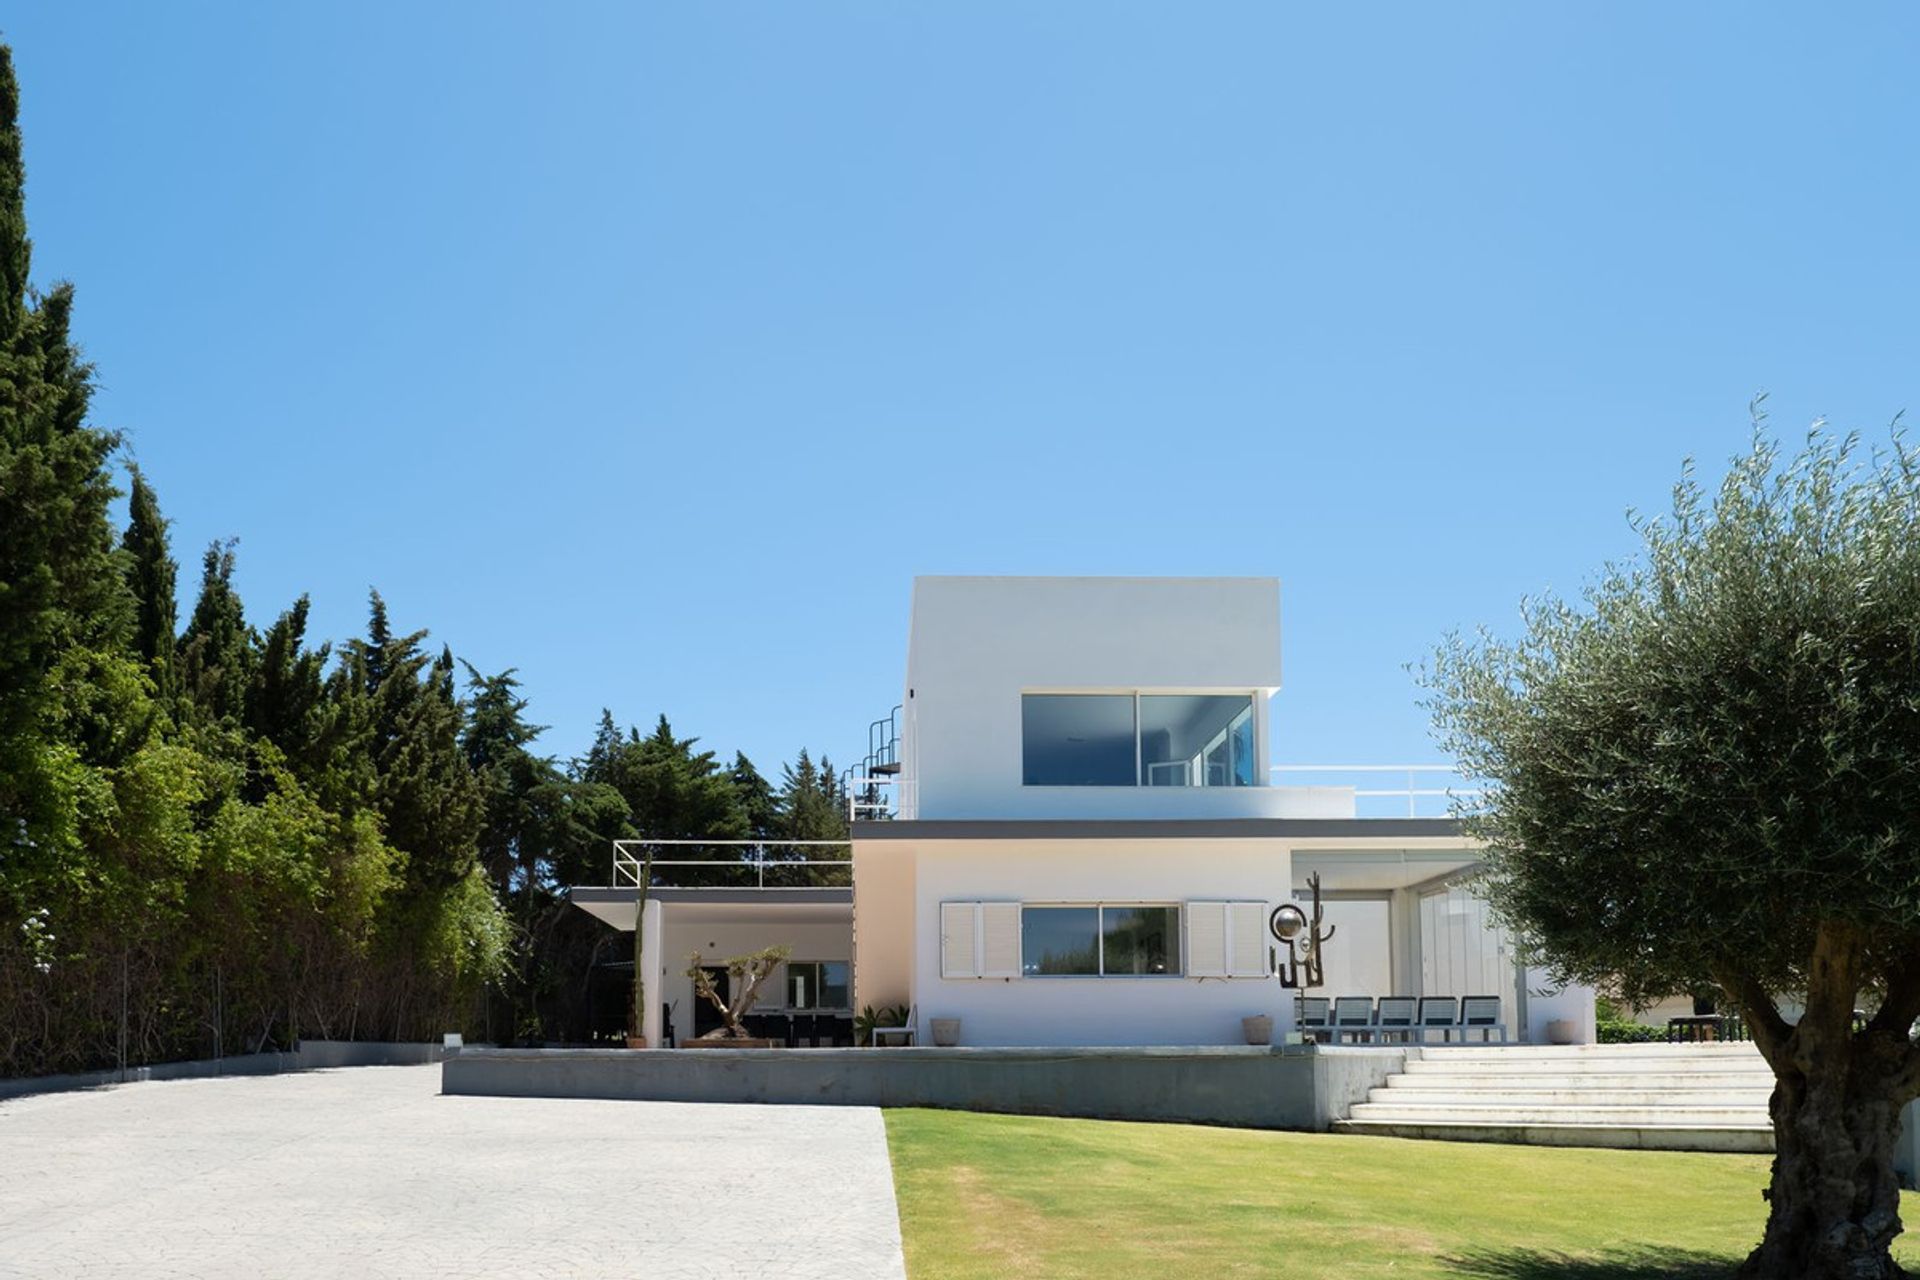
[[1303, 937], [1287, 922]]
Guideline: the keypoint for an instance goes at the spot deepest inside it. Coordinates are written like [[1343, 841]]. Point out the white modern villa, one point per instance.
[[1070, 833]]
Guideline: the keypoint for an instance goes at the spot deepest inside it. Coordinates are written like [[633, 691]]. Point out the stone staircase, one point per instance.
[[1674, 1097]]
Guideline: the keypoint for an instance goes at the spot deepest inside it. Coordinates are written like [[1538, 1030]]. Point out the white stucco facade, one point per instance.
[[1034, 1010], [974, 826], [1082, 774], [976, 645]]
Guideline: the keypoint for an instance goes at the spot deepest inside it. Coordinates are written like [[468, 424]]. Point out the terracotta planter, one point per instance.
[[946, 1031], [730, 1044], [1258, 1029], [1562, 1031], [636, 1042]]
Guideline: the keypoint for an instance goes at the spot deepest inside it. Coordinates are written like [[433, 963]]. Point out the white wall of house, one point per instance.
[[682, 933], [1087, 1010], [977, 644]]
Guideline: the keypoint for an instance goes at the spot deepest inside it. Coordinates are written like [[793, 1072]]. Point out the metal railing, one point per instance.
[[1430, 790], [748, 871], [879, 798]]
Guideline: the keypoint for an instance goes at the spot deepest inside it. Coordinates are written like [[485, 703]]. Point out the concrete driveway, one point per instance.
[[369, 1172]]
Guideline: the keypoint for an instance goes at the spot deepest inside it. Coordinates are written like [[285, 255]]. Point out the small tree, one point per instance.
[[748, 973], [1706, 777]]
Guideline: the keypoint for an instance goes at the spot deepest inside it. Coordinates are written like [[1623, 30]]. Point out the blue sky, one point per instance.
[[653, 349]]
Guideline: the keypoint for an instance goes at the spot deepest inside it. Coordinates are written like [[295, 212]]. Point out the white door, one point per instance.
[[1463, 952], [1359, 959]]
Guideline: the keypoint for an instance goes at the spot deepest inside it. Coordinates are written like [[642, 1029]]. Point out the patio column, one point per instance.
[[653, 949]]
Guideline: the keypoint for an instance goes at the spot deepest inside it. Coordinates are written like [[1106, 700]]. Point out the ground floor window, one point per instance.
[[818, 984], [1100, 940]]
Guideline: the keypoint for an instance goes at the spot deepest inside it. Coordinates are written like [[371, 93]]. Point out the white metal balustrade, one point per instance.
[[629, 861], [880, 797], [1430, 790]]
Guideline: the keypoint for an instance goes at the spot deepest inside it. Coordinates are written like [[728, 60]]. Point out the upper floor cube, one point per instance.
[[1063, 698]]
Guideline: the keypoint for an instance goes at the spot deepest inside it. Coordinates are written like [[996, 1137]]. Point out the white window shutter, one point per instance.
[[999, 939], [1206, 939], [1247, 939], [959, 952]]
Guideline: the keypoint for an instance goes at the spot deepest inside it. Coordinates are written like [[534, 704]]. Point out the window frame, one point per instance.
[[1253, 712], [819, 985], [1175, 948]]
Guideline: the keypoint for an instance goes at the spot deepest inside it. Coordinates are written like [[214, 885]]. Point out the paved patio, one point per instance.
[[369, 1172]]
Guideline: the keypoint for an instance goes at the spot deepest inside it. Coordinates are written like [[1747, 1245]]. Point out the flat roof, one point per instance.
[[1384, 830], [813, 904]]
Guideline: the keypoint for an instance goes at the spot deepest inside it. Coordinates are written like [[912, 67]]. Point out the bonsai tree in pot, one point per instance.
[[748, 973]]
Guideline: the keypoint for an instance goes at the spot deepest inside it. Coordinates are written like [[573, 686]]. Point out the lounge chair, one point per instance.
[[1311, 1016], [1395, 1018], [1353, 1018], [1437, 1013], [1482, 1014]]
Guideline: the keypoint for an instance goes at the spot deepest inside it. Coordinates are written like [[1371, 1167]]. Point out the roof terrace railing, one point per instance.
[[1389, 790], [880, 797], [758, 865]]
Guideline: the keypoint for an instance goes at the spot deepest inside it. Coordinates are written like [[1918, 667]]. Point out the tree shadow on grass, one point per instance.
[[1632, 1263]]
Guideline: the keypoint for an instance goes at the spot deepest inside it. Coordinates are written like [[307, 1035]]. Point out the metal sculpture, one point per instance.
[[1303, 937]]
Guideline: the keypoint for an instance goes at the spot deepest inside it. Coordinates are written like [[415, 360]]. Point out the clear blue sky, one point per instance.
[[653, 349]]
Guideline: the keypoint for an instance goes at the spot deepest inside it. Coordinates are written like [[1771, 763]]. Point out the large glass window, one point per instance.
[[1078, 740], [1058, 941], [1147, 739], [1196, 740], [1140, 940], [1095, 941], [1246, 766], [818, 984]]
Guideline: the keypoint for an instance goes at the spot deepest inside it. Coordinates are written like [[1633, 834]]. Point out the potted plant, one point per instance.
[[747, 973]]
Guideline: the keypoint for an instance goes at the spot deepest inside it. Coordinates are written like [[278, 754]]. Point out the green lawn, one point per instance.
[[991, 1196]]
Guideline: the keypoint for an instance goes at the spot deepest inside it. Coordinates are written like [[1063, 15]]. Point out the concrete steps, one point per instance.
[[1670, 1097]]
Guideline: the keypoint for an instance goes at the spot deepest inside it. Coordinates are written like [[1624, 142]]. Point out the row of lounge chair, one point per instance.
[[1402, 1019]]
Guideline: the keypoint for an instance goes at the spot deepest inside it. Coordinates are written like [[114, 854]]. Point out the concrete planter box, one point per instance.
[[1258, 1029], [946, 1032], [730, 1044]]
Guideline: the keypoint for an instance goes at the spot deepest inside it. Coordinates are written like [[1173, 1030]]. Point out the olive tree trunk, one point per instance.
[[1834, 1200]]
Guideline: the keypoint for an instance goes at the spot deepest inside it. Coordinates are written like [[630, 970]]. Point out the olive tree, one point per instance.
[[748, 973], [1706, 772]]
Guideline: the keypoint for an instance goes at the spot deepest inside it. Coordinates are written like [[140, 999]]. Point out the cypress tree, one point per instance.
[[756, 797], [16, 251], [216, 650], [599, 762], [59, 583], [286, 696], [428, 797], [151, 573]]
